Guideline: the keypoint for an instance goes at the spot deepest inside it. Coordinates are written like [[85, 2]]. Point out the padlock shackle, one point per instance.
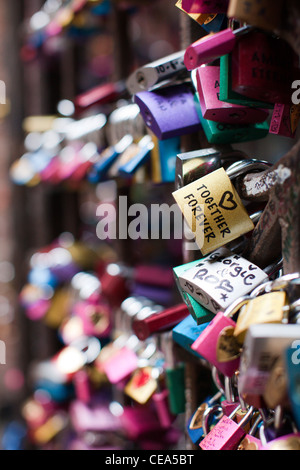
[[208, 413], [236, 306], [242, 167]]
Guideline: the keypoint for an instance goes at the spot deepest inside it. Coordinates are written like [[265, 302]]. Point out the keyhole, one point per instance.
[[148, 119]]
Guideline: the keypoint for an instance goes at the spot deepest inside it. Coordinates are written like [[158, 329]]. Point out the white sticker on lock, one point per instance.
[[220, 279]]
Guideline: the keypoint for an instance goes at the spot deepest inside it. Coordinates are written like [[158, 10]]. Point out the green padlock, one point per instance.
[[218, 133], [175, 381], [174, 375], [199, 313], [230, 96]]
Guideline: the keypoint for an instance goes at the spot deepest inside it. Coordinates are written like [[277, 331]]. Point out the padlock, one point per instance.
[[99, 95], [214, 23], [142, 385], [268, 308], [125, 120], [217, 344], [96, 318], [186, 333], [220, 279], [212, 47], [219, 133], [290, 442], [230, 96], [199, 313], [160, 398], [143, 154], [250, 442], [227, 434], [292, 362], [169, 112], [107, 158], [195, 424], [213, 109], [230, 403], [214, 211], [205, 6], [285, 120], [261, 13], [163, 159], [159, 321], [94, 417], [276, 389], [191, 166], [175, 376], [209, 22], [82, 386], [263, 68], [157, 73], [263, 346]]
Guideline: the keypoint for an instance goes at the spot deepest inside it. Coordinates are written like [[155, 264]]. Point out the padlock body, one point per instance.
[[264, 345], [206, 345], [120, 365], [205, 6], [226, 435], [226, 92], [219, 133], [186, 333], [175, 381], [290, 442], [264, 14], [220, 279], [263, 68], [212, 108], [285, 120], [161, 402], [169, 112]]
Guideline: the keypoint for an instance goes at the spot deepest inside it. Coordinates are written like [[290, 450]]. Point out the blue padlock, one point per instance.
[[186, 333], [140, 159], [99, 170], [292, 359], [216, 24]]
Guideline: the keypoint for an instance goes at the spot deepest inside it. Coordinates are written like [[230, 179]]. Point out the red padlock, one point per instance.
[[263, 68]]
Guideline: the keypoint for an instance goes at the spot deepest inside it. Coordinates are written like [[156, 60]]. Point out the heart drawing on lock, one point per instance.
[[227, 202], [228, 348]]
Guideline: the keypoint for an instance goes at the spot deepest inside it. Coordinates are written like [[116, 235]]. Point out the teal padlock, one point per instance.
[[230, 96], [218, 133], [292, 360]]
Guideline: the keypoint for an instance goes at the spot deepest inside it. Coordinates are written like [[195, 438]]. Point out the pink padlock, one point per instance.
[[227, 434], [208, 85], [205, 6], [161, 401], [120, 365], [207, 343], [212, 47], [285, 120]]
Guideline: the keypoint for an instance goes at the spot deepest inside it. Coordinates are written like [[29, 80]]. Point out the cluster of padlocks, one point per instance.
[[239, 311]]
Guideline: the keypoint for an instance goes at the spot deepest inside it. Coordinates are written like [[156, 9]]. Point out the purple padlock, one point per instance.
[[170, 111], [95, 417], [208, 86]]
